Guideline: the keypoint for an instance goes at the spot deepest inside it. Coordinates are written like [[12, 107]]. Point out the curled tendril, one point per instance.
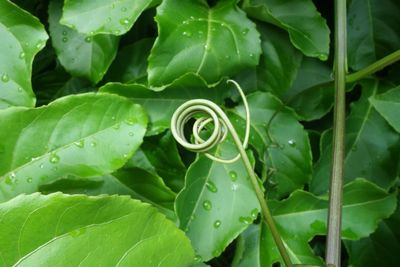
[[214, 114]]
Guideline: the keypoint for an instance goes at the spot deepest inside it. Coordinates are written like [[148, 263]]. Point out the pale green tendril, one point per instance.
[[222, 125]]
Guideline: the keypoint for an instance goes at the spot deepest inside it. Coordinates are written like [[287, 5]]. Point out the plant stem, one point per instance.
[[374, 67], [335, 193]]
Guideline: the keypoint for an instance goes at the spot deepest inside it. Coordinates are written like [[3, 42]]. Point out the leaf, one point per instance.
[[130, 65], [160, 106], [22, 37], [280, 140], [248, 248], [106, 17], [216, 204], [380, 247], [303, 216], [371, 146], [219, 41], [64, 230], [388, 106], [307, 29], [81, 55], [82, 135], [279, 62], [373, 31]]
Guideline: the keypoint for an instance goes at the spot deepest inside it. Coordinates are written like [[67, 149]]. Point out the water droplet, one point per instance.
[[91, 33], [234, 187], [323, 57], [5, 78], [88, 39], [40, 45], [211, 186], [216, 252], [116, 32], [125, 155], [251, 55], [41, 165], [187, 34], [246, 220], [233, 176], [123, 9], [207, 47], [124, 21], [93, 144], [192, 217], [131, 121], [191, 17], [292, 142], [108, 19], [20, 89], [65, 39], [21, 55], [29, 180], [197, 258], [80, 143], [116, 126], [245, 31], [185, 22], [8, 180], [217, 224], [131, 134], [207, 205], [254, 213], [54, 158]]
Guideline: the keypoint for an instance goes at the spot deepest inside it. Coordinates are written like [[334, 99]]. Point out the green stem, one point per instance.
[[374, 67], [333, 245]]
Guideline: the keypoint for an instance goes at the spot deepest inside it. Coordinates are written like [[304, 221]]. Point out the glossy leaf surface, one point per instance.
[[81, 55], [22, 37], [306, 27], [219, 41], [109, 17], [66, 230], [216, 204], [84, 135]]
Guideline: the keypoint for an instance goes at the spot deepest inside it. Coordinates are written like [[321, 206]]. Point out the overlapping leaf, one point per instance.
[[218, 41], [303, 215], [371, 146], [84, 135], [81, 55], [306, 27], [66, 230], [280, 140], [217, 203], [109, 17], [22, 37]]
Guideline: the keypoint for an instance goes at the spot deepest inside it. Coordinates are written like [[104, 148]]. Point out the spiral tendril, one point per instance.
[[214, 114]]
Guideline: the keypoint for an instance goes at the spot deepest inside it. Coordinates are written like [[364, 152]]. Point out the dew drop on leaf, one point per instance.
[[19, 89], [131, 121], [323, 57], [131, 134], [88, 39], [29, 180], [41, 166], [80, 143], [116, 32], [187, 34], [234, 186], [93, 144], [207, 47], [124, 21], [198, 258], [217, 224], [207, 205], [108, 19], [254, 213], [64, 33], [5, 78], [246, 220], [245, 31], [21, 55], [116, 126], [233, 176], [54, 158], [65, 39], [251, 55], [211, 187], [292, 142]]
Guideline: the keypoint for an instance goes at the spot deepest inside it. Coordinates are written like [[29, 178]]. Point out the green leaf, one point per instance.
[[279, 62], [81, 135], [81, 55], [303, 216], [64, 230], [217, 203], [130, 65], [383, 246], [160, 106], [248, 248], [22, 37], [107, 17], [373, 31], [218, 41], [388, 106], [307, 29], [280, 140], [371, 146]]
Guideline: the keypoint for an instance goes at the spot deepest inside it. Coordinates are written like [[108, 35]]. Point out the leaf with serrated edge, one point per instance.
[[217, 203], [22, 37], [64, 230], [81, 135], [104, 16], [219, 41], [80, 54], [307, 29]]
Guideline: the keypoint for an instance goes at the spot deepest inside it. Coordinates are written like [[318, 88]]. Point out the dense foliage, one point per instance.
[[91, 175]]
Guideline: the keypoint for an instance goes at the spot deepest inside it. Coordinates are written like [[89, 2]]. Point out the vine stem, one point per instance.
[[222, 123], [333, 243]]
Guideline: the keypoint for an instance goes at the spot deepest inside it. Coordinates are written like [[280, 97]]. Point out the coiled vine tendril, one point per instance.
[[222, 126]]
